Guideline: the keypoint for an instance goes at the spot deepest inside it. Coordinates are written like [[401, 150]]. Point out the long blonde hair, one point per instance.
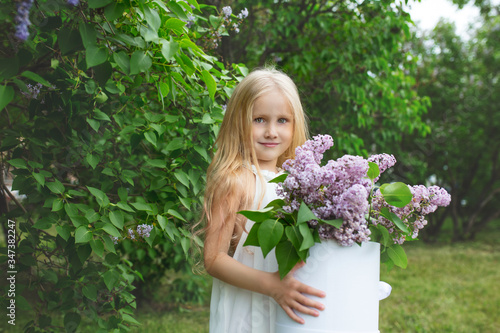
[[226, 184]]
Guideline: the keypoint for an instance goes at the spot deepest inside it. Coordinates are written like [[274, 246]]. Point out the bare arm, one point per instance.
[[288, 293]]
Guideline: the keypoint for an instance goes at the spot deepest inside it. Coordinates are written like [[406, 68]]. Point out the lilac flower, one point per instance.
[[33, 91], [190, 21], [384, 162], [144, 230], [425, 201], [131, 234], [341, 190], [243, 14], [23, 19], [114, 239], [227, 11], [73, 2]]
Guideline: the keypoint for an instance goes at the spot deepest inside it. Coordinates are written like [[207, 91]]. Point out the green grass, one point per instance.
[[446, 288], [450, 288]]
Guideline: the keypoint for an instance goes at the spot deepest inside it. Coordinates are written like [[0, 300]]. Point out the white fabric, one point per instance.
[[236, 310]]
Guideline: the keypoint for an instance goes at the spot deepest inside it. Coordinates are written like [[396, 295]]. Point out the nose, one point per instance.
[[271, 131]]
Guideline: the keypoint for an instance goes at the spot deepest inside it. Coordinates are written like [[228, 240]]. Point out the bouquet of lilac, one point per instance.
[[340, 200]]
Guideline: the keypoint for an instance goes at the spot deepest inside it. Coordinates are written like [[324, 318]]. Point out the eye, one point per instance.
[[282, 120], [259, 120]]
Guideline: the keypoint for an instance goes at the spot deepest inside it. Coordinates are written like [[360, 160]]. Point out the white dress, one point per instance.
[[236, 310]]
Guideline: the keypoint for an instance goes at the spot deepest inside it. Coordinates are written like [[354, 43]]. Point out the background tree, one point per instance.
[[109, 111], [349, 59], [462, 151]]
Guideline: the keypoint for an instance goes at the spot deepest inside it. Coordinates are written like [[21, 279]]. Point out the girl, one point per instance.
[[263, 124]]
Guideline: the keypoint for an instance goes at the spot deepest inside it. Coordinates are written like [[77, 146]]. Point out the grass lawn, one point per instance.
[[451, 288], [447, 288]]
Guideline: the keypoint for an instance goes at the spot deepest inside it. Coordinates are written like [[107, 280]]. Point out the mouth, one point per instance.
[[269, 144]]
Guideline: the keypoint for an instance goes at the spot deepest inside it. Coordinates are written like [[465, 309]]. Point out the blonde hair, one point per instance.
[[226, 181]]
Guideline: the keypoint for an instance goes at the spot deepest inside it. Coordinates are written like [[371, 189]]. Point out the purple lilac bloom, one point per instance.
[[243, 14], [114, 239], [131, 234], [73, 2], [425, 201], [23, 19], [33, 91], [227, 11], [190, 21], [336, 190], [144, 230]]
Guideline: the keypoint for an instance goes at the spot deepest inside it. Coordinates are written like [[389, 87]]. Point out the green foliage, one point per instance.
[[349, 59], [462, 151], [118, 135]]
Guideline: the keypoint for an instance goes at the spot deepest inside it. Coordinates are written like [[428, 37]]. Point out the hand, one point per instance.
[[289, 294]]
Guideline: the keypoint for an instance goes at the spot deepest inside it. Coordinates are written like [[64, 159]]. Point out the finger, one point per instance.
[[305, 289], [293, 315], [306, 310], [306, 301]]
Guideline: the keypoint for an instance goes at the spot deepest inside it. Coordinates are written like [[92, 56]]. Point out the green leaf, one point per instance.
[[175, 144], [258, 215], [396, 194], [8, 68], [174, 24], [102, 198], [279, 179], [150, 136], [71, 321], [386, 237], [92, 160], [56, 187], [176, 214], [210, 82], [94, 124], [6, 96], [125, 206], [295, 237], [305, 214], [95, 55], [253, 236], [18, 163], [43, 224], [373, 170], [307, 235], [182, 177], [39, 178], [116, 217], [287, 257], [84, 252], [114, 11], [177, 10], [139, 62], [337, 223], [152, 18], [37, 78], [397, 255], [394, 219], [276, 203], [98, 3], [162, 221], [57, 205], [97, 246], [82, 234], [90, 291], [110, 278], [123, 61], [110, 229], [69, 41], [64, 231], [269, 233], [141, 206]]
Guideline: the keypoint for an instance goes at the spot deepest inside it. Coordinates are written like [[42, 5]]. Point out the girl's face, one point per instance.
[[272, 128]]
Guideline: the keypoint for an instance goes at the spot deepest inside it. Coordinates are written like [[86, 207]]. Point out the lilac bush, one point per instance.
[[342, 190], [340, 200]]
